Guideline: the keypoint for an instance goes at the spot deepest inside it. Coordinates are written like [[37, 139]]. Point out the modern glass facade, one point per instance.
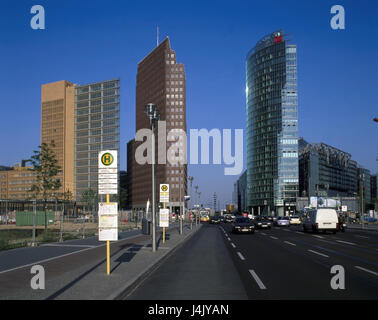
[[97, 125], [326, 171], [272, 125]]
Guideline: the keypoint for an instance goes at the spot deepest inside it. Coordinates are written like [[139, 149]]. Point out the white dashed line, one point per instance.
[[263, 233], [351, 243], [367, 270], [318, 236], [240, 256], [362, 237], [274, 238], [318, 253], [293, 244], [257, 279], [228, 239], [233, 245], [299, 232], [286, 230]]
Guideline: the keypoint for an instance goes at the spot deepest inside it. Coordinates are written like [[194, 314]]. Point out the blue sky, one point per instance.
[[89, 41]]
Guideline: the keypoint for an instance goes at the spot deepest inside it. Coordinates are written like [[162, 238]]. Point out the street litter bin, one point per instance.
[[146, 226]]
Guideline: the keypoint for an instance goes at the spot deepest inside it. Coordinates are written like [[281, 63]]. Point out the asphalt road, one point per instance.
[[281, 263]]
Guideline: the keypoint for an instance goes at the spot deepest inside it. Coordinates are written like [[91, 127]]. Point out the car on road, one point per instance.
[[243, 225], [215, 220], [295, 220], [204, 218], [321, 219], [228, 219], [282, 222], [262, 223]]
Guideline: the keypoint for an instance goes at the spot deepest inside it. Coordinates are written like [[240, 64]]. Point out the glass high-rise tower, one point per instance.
[[272, 125], [97, 125]]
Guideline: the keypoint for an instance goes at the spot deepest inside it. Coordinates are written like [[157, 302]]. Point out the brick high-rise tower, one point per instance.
[[161, 81]]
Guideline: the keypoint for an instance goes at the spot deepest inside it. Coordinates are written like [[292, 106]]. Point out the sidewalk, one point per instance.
[[130, 260]]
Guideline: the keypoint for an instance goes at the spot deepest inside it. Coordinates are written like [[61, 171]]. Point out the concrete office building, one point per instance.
[[81, 120], [326, 171], [272, 125], [161, 81], [16, 182], [57, 124], [97, 125]]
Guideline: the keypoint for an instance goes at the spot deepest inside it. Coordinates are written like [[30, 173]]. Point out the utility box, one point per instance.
[[26, 218]]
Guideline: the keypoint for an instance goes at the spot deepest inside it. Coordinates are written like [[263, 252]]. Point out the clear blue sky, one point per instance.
[[88, 41]]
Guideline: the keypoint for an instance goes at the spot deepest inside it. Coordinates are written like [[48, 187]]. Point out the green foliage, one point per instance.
[[89, 197], [45, 166]]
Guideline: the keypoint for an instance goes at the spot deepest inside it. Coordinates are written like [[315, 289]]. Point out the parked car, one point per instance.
[[295, 220], [243, 225], [282, 222], [261, 222], [321, 219]]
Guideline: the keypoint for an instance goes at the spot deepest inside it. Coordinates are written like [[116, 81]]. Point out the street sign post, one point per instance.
[[164, 197], [108, 212]]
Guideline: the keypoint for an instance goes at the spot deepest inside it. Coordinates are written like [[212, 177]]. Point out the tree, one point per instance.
[[89, 198], [46, 169]]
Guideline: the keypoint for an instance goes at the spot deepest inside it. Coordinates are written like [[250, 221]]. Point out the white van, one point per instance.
[[321, 219]]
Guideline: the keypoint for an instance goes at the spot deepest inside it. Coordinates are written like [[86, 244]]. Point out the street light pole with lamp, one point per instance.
[[154, 116], [191, 201]]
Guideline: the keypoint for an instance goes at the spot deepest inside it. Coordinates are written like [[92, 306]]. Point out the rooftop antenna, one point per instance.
[[157, 37]]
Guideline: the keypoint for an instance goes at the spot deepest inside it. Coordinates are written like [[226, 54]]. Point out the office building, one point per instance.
[[161, 81], [57, 124], [326, 171], [242, 192], [97, 125], [16, 182], [272, 125]]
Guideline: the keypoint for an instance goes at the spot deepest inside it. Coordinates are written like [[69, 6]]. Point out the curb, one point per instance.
[[150, 268]]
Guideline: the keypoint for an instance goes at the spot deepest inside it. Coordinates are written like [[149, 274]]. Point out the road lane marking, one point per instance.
[[68, 245], [320, 254], [263, 233], [286, 230], [363, 237], [367, 270], [228, 239], [233, 245], [318, 236], [240, 256], [346, 242], [274, 238], [293, 244], [299, 232], [257, 279]]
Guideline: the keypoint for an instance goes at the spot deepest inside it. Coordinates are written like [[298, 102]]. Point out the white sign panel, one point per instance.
[[344, 208], [107, 171], [164, 218], [107, 221], [110, 208], [107, 234], [164, 192]]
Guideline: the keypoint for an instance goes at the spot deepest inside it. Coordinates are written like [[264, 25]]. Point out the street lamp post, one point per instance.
[[180, 213], [191, 207], [154, 115], [196, 190]]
